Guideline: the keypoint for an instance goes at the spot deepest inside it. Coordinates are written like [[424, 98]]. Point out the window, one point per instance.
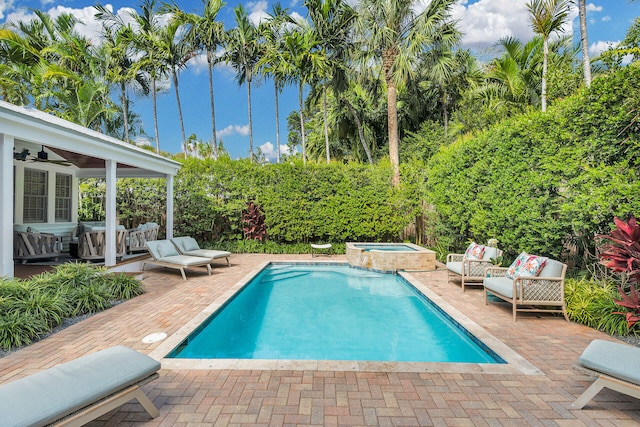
[[63, 198], [35, 196]]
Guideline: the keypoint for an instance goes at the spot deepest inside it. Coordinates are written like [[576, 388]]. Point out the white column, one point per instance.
[[6, 213], [169, 206], [110, 209]]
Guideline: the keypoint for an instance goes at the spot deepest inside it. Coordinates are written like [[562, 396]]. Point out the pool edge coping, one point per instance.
[[515, 363]]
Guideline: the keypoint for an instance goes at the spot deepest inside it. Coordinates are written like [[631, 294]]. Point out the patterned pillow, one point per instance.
[[474, 251], [532, 266], [514, 268]]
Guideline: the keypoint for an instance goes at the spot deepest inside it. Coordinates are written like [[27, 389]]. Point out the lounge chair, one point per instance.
[[615, 365], [77, 392], [470, 268], [165, 254], [189, 246], [528, 291]]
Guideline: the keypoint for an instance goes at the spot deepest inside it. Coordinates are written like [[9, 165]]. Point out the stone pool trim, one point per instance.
[[416, 259], [516, 364]]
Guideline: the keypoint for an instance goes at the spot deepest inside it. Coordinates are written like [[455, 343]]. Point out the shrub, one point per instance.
[[17, 329], [122, 286], [590, 303]]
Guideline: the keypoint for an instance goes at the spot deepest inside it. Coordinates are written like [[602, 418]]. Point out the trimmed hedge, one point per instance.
[[539, 180]]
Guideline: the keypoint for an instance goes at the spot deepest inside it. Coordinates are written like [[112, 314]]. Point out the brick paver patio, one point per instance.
[[236, 397]]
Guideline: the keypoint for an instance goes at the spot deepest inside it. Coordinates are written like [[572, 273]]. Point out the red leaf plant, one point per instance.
[[621, 253], [253, 220]]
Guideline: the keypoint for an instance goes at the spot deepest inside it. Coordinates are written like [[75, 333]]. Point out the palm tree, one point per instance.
[[205, 33], [584, 42], [547, 17], [332, 21], [175, 53], [243, 51], [122, 69], [147, 41], [302, 63], [271, 63], [393, 34]]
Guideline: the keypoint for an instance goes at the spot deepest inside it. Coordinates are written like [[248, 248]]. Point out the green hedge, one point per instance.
[[540, 179], [301, 203]]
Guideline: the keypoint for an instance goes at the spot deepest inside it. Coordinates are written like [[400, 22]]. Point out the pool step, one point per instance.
[[272, 277]]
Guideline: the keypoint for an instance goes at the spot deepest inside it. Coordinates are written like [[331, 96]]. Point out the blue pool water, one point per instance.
[[331, 312], [386, 247]]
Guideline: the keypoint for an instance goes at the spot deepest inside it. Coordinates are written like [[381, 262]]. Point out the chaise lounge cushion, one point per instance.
[[189, 246], [613, 359], [46, 396]]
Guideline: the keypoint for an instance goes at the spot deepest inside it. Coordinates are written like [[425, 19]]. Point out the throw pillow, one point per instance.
[[190, 244], [532, 266], [514, 268], [474, 251], [166, 249]]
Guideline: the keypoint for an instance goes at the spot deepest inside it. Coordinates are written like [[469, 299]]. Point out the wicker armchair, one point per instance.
[[529, 293], [29, 245], [470, 271]]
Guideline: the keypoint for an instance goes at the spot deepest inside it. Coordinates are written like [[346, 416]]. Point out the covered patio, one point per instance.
[[46, 156]]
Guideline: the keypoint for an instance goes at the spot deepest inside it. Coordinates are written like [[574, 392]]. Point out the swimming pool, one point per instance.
[[331, 312]]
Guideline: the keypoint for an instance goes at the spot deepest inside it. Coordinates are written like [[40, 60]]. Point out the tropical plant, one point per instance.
[[206, 34], [547, 17], [392, 34], [331, 21], [243, 50], [621, 249], [254, 225]]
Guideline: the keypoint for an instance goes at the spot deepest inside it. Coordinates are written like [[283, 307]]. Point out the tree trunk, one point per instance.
[[360, 130], [155, 114], [584, 42], [324, 116], [184, 137], [275, 86], [392, 120], [445, 114], [304, 142], [125, 111], [214, 141], [545, 45], [250, 120]]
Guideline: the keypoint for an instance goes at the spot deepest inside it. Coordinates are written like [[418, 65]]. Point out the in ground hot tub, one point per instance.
[[390, 256]]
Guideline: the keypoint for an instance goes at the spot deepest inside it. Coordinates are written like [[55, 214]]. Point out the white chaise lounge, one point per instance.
[[189, 246], [616, 366], [77, 392], [165, 254]]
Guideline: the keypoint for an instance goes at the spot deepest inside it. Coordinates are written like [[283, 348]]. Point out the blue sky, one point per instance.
[[483, 22]]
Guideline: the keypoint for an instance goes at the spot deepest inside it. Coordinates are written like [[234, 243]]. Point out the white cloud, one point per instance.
[[485, 22], [593, 8], [233, 130], [606, 18], [598, 47], [269, 151], [258, 11], [5, 5]]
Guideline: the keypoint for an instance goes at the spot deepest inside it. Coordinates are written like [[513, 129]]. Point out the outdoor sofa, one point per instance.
[[31, 244], [530, 284]]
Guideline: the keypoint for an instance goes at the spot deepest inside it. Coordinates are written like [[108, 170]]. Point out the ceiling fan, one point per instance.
[[41, 156]]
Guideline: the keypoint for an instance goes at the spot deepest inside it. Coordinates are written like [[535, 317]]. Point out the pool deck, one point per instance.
[[367, 394]]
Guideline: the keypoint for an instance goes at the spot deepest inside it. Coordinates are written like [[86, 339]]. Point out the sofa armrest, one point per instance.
[[495, 271], [455, 257]]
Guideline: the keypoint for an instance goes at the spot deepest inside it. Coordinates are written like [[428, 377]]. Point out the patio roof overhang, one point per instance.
[[90, 153]]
